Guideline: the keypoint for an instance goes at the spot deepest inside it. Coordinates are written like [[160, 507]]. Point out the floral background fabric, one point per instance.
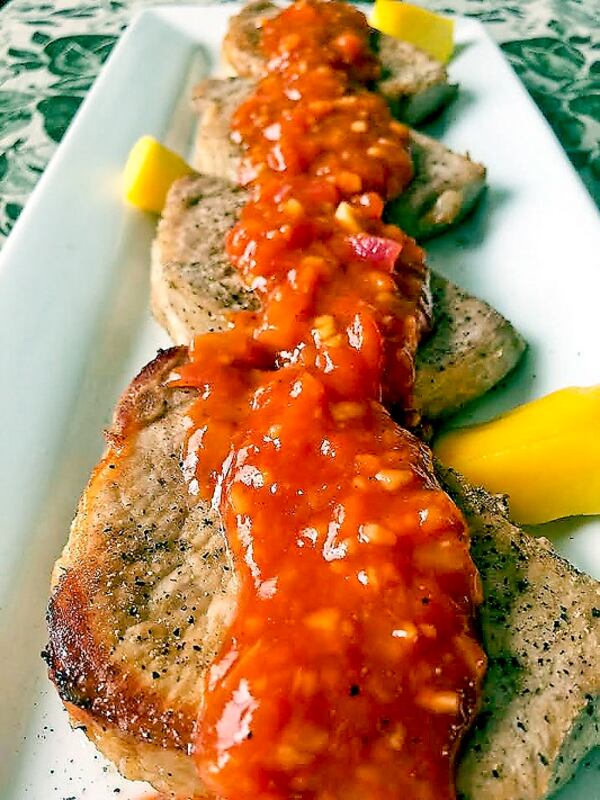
[[51, 52]]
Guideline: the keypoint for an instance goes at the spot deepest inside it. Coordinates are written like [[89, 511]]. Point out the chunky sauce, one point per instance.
[[351, 669], [322, 157]]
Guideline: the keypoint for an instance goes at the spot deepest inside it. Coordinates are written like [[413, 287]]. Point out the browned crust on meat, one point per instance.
[[80, 667], [79, 660], [144, 400]]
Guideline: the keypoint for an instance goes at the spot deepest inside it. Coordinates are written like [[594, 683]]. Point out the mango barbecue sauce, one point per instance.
[[351, 669]]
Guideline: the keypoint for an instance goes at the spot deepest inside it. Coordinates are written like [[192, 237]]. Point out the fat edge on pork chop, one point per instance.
[[145, 590]]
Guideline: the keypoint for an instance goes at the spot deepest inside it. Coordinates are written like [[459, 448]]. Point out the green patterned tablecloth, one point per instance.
[[50, 53]]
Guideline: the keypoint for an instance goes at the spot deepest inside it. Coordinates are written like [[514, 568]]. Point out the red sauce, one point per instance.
[[322, 156], [351, 669]]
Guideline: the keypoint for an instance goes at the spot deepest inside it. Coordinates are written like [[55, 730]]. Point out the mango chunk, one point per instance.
[[431, 32], [545, 455], [150, 170]]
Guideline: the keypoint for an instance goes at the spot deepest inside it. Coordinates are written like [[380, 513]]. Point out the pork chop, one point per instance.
[[145, 590], [445, 186], [541, 631], [193, 286], [414, 84]]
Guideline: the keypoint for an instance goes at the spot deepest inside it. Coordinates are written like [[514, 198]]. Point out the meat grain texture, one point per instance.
[[145, 590]]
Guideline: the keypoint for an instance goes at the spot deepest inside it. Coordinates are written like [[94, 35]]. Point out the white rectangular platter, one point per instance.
[[75, 327]]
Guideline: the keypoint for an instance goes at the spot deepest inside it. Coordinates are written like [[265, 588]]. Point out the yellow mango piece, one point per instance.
[[149, 172], [431, 32], [545, 455]]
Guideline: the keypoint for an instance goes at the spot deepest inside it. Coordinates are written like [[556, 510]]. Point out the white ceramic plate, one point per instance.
[[75, 327]]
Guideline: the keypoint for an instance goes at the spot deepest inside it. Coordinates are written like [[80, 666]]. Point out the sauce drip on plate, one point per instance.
[[351, 669]]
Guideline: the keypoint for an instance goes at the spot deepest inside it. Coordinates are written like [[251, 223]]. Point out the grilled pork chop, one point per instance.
[[444, 189], [414, 84], [194, 285], [145, 589]]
